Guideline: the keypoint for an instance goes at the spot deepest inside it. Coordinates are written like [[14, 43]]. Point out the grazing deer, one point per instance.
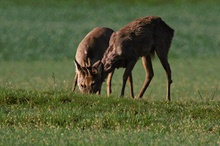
[[140, 38], [89, 51]]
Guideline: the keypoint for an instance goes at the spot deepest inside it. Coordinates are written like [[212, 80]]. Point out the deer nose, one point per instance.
[[83, 85]]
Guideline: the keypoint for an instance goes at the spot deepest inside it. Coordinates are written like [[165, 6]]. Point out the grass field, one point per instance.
[[37, 47]]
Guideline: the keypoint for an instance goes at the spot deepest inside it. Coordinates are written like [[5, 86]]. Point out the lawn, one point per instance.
[[37, 47]]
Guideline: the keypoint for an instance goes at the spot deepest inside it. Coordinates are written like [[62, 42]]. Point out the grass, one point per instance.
[[53, 33], [37, 46], [65, 118], [189, 78], [38, 110]]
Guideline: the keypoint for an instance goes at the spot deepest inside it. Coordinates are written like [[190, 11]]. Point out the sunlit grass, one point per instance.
[[62, 117], [193, 79]]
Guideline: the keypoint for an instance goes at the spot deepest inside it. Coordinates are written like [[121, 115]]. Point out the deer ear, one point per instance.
[[78, 66], [99, 66]]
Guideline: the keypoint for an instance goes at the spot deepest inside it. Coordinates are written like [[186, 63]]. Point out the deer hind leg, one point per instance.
[[127, 74], [162, 53], [166, 66], [75, 82], [109, 83], [146, 60]]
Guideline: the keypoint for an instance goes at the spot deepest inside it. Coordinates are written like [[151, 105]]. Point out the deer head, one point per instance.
[[89, 77]]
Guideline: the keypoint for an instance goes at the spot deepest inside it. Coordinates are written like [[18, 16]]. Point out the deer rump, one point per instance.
[[140, 38], [89, 51]]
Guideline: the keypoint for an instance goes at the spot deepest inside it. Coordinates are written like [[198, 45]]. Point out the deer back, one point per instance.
[[138, 38]]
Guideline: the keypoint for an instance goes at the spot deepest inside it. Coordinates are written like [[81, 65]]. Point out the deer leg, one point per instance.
[[146, 60], [127, 73], [109, 81], [98, 92], [130, 80], [75, 82], [166, 67]]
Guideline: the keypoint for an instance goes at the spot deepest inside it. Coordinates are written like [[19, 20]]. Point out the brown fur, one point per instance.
[[140, 38], [89, 51]]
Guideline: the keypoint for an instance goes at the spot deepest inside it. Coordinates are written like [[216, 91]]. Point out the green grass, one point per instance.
[[31, 32], [36, 109], [190, 76], [37, 47], [57, 118]]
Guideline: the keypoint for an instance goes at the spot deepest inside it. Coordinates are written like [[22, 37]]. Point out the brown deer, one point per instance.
[[89, 51], [140, 38]]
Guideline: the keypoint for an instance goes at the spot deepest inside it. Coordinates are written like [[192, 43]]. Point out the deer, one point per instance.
[[141, 38], [89, 51]]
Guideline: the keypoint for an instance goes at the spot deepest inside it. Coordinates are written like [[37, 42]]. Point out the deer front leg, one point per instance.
[[109, 83], [75, 82], [130, 80], [146, 60], [127, 74], [98, 92]]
